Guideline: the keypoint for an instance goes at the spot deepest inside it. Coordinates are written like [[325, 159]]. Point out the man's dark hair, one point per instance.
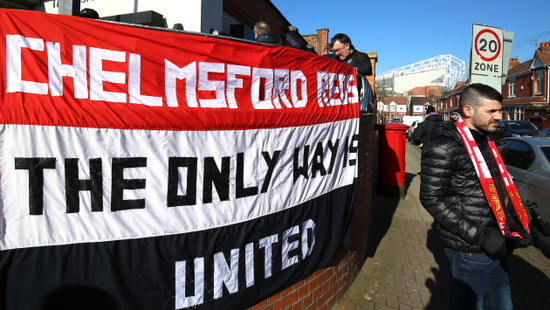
[[342, 37], [474, 94], [430, 109]]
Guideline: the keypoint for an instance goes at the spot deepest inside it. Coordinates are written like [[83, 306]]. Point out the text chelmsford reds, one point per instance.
[[308, 162], [280, 86]]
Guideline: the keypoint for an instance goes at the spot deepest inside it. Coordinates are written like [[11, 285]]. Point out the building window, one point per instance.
[[516, 113], [538, 82], [512, 88]]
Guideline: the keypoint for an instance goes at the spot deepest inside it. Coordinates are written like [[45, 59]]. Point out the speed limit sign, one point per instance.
[[486, 58]]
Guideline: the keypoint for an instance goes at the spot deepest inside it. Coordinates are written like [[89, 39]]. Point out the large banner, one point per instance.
[[147, 169]]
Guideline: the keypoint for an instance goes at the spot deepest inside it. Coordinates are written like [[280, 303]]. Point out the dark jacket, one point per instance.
[[360, 61], [451, 192], [267, 38], [423, 132]]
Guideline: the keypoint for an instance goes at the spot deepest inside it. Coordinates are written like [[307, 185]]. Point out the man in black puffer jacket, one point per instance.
[[451, 192]]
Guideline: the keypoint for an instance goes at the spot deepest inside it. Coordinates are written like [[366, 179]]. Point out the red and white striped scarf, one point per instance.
[[488, 184]]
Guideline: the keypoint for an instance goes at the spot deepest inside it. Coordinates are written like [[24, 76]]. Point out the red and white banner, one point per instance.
[[166, 170]]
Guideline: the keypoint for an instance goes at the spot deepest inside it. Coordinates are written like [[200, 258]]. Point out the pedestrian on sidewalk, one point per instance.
[[423, 132], [455, 115], [478, 222]]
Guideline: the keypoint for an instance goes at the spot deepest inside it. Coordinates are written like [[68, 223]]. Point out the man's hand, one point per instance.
[[525, 240], [493, 242]]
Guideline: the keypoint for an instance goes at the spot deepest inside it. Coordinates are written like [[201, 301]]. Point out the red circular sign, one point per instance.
[[498, 44]]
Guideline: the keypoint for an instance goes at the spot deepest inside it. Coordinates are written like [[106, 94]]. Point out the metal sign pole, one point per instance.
[[508, 37]]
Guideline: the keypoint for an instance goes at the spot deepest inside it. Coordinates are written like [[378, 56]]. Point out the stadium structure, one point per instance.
[[442, 70]]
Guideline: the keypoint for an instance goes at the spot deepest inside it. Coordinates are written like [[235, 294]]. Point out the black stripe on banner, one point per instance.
[[230, 267]]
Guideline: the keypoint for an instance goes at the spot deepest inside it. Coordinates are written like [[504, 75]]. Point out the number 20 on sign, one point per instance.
[[486, 50]]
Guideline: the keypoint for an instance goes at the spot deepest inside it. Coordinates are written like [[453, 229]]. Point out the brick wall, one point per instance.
[[523, 86], [373, 60], [323, 288], [318, 40], [322, 41]]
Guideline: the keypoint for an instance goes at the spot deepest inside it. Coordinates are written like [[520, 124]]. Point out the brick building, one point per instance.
[[526, 92], [420, 97], [391, 108], [449, 100], [527, 87], [319, 41]]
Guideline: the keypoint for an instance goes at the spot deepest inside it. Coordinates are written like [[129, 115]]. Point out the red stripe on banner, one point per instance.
[[69, 71]]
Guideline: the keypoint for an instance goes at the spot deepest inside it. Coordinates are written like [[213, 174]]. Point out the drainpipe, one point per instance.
[[548, 84]]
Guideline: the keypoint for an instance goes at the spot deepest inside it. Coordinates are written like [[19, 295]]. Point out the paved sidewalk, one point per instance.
[[407, 269]]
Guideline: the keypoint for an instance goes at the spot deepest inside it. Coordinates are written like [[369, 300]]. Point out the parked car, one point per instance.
[[517, 128], [545, 132], [528, 161]]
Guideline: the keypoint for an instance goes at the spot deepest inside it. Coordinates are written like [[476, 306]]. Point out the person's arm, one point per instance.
[[435, 193], [418, 133], [331, 56], [362, 64]]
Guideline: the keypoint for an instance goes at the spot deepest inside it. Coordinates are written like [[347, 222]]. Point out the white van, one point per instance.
[[409, 119]]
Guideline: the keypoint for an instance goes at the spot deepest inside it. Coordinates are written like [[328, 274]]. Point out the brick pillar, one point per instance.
[[544, 47], [322, 40]]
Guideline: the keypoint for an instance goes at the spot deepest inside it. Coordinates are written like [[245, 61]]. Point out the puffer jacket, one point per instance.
[[422, 133], [360, 61], [451, 192]]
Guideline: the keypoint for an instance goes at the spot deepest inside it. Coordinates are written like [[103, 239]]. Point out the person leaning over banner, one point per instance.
[[344, 51], [262, 33], [423, 132], [478, 223]]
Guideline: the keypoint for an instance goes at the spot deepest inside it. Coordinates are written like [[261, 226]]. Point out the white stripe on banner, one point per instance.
[[165, 182]]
